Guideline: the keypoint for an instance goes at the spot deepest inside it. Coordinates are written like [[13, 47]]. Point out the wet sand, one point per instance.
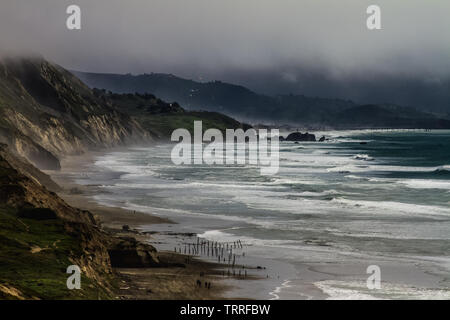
[[172, 283], [186, 276]]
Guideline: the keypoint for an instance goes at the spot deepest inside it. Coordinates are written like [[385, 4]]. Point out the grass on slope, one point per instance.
[[162, 118], [34, 256], [164, 124]]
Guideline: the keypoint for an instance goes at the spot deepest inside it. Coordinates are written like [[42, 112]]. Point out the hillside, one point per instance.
[[40, 236], [47, 113], [233, 100], [246, 105], [161, 118], [212, 96]]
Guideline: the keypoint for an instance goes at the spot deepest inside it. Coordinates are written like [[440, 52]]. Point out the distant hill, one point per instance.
[[211, 96], [161, 118], [244, 104], [388, 116]]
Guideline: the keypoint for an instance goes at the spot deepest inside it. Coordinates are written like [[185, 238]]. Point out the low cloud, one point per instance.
[[292, 40]]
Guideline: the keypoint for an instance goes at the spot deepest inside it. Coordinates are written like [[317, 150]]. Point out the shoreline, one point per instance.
[[166, 282], [265, 276], [310, 271], [77, 195]]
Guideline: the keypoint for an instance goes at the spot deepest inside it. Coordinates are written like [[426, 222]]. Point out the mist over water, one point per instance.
[[359, 197]]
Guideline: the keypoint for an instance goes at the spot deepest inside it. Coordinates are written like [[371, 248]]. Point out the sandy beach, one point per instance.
[[186, 277]]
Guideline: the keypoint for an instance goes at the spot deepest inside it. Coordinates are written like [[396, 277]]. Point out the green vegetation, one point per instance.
[[40, 236], [34, 256], [161, 118], [164, 124]]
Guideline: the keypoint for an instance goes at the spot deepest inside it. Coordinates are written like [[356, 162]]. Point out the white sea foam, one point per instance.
[[364, 157], [275, 293], [299, 181], [391, 207], [336, 291], [174, 212], [426, 184], [383, 168], [357, 290], [320, 194], [443, 168], [352, 176]]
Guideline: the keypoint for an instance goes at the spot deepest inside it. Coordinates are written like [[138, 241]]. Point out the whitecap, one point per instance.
[[391, 207], [364, 157], [357, 290]]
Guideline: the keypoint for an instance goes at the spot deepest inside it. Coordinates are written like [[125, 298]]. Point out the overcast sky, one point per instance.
[[236, 39]]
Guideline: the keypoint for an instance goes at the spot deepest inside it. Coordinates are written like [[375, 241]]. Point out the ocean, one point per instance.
[[334, 208]]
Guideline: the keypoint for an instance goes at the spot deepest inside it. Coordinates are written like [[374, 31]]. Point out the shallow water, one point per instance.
[[360, 198]]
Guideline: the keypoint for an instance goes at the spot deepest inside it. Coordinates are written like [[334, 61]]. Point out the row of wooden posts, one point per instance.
[[239, 272], [223, 251]]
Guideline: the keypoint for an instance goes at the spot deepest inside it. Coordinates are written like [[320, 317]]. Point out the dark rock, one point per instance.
[[129, 253], [298, 136], [322, 139]]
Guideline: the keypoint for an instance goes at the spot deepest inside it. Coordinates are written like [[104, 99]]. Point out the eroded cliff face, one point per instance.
[[47, 113], [27, 169], [41, 236]]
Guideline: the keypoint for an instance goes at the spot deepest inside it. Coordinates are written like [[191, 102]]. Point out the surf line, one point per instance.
[[239, 148], [277, 290]]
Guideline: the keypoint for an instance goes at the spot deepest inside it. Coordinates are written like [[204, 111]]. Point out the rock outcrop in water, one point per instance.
[[47, 113], [298, 136]]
